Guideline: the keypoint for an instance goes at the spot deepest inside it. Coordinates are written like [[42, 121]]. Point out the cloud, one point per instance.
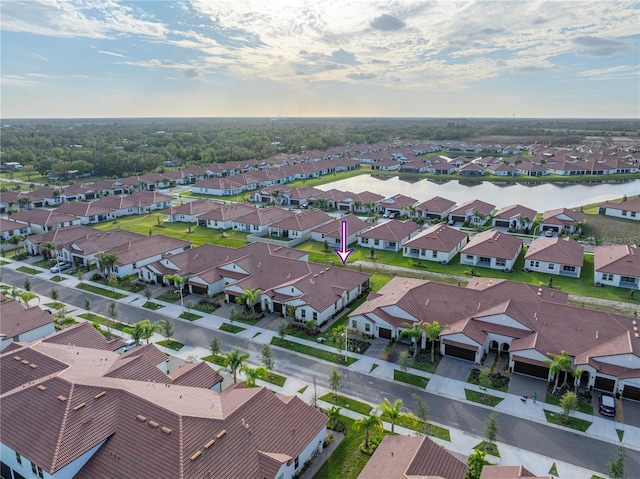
[[113, 54], [16, 80], [387, 23], [191, 73], [38, 56], [619, 72], [362, 76], [592, 46], [341, 56]]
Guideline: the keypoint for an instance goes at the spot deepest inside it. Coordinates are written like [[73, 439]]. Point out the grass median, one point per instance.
[[409, 378], [101, 291], [310, 351]]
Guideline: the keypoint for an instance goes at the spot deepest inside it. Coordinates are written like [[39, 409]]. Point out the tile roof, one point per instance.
[[436, 204], [228, 212], [474, 205], [618, 259], [438, 237], [393, 230], [303, 221], [333, 229], [515, 211], [42, 217], [16, 319], [82, 209], [84, 335], [508, 472], [264, 216], [556, 250], [146, 247], [194, 208], [199, 375], [562, 216], [494, 244], [629, 205]]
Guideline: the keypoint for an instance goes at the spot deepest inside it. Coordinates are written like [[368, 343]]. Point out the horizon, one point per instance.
[[365, 59]]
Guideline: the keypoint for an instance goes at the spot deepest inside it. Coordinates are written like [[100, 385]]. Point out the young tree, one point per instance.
[[268, 361], [166, 327], [147, 293], [27, 284], [236, 360], [178, 281], [54, 294], [252, 375], [335, 381], [405, 360], [492, 428], [112, 312], [392, 411], [484, 381], [112, 281], [282, 328], [615, 465], [87, 304], [422, 411], [214, 346], [369, 422], [568, 403]]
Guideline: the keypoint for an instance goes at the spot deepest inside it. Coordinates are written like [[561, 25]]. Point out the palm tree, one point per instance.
[[333, 413], [371, 206], [558, 363], [146, 329], [28, 296], [252, 375], [392, 411], [23, 201], [248, 298], [433, 331], [368, 422], [236, 360], [48, 249], [357, 204], [15, 240], [277, 194], [107, 262], [166, 327], [414, 332], [577, 375], [178, 281]]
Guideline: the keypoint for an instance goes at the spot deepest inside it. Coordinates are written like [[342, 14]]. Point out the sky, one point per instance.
[[319, 58]]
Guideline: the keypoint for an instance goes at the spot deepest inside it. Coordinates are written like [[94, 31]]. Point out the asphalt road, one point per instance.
[[531, 436]]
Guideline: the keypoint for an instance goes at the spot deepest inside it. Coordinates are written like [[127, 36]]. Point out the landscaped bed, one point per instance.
[[218, 359], [55, 305], [231, 328], [583, 405], [482, 398], [26, 269], [499, 381], [489, 448], [273, 378], [57, 278], [101, 291], [109, 323], [168, 343], [189, 316], [572, 422], [152, 306]]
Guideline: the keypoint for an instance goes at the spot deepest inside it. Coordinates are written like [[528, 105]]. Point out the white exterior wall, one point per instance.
[[599, 277], [476, 262], [543, 267], [504, 320], [225, 225], [624, 360], [630, 215]]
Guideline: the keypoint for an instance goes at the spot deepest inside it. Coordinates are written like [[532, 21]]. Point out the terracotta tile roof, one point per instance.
[[333, 229], [149, 351], [145, 198], [436, 204], [194, 208], [494, 244], [562, 216], [228, 212], [303, 221], [629, 205], [398, 201], [199, 375], [82, 209], [618, 259], [16, 319], [402, 457], [42, 217], [62, 236], [438, 237], [515, 211], [136, 368], [98, 241], [394, 230], [84, 335], [6, 225], [264, 216], [470, 206], [508, 472], [146, 247], [16, 367], [556, 250]]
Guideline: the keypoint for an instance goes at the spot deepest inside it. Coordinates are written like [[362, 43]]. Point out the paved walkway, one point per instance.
[[461, 442]]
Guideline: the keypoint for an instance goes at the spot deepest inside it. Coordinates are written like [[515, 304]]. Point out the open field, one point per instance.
[[608, 230]]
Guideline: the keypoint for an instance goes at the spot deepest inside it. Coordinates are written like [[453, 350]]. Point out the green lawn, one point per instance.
[[57, 278], [486, 446], [168, 343], [101, 291], [273, 378], [231, 328], [481, 398], [143, 224], [170, 296], [55, 305], [218, 359], [190, 316], [426, 366], [620, 434], [303, 389], [583, 406], [94, 318], [347, 403], [26, 269], [409, 378], [573, 423], [152, 306], [44, 263], [2, 262], [310, 351]]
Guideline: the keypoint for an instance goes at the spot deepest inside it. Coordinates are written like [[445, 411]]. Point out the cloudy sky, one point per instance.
[[108, 58]]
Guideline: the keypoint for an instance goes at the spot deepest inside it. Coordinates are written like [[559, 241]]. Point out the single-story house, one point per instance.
[[399, 204], [331, 232], [562, 221], [41, 220], [515, 217], [297, 228], [436, 208], [257, 222], [390, 235], [22, 324], [492, 249], [89, 213], [473, 212], [438, 243], [191, 211], [471, 169], [502, 169], [629, 209], [11, 228], [617, 265], [224, 216], [58, 237], [563, 257]]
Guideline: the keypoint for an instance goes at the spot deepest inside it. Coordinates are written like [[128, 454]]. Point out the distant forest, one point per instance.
[[121, 147]]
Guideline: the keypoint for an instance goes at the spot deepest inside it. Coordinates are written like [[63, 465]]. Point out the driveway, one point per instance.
[[520, 385], [454, 368], [376, 350], [631, 412]]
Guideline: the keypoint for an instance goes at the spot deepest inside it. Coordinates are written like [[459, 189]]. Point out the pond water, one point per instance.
[[538, 196]]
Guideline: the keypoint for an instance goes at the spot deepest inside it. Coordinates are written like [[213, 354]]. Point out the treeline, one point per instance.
[[129, 146]]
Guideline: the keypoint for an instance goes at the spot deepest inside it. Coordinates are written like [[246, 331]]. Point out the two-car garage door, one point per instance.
[[457, 350], [631, 392], [530, 367]]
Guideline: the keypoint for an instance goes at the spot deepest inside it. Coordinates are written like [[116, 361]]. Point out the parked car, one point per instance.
[[129, 344], [548, 233], [607, 405], [60, 267]]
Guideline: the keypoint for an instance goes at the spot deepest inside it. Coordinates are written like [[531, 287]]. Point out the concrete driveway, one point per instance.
[[520, 385], [454, 368], [630, 412]]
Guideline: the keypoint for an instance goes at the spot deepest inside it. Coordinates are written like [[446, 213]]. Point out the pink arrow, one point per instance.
[[343, 253]]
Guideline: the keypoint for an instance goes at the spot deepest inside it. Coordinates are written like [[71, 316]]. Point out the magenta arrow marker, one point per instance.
[[343, 252]]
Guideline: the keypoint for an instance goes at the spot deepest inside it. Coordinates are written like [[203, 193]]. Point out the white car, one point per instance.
[[60, 267]]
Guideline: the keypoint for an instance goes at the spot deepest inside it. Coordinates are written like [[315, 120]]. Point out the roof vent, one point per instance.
[[62, 398], [99, 395], [42, 388], [196, 455], [153, 424], [80, 406], [25, 361], [141, 418], [33, 366], [221, 433], [17, 358], [209, 444], [166, 430]]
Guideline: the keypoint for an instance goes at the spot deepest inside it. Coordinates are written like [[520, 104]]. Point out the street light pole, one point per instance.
[[346, 348]]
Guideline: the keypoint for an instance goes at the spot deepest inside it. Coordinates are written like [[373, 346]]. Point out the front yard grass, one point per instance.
[[573, 422], [152, 306], [189, 316], [168, 343], [489, 448], [101, 291], [409, 378], [231, 328], [347, 403], [310, 351], [26, 269], [218, 359], [481, 398], [583, 406], [55, 305], [273, 378]]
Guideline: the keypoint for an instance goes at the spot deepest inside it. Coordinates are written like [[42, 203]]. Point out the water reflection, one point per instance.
[[533, 194]]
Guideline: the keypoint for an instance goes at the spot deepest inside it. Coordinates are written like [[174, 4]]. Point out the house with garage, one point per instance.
[[437, 243], [89, 213], [257, 222], [331, 233], [628, 209], [79, 192], [492, 249], [389, 236], [297, 228], [85, 335], [399, 204], [561, 256], [96, 404], [523, 322], [9, 201], [47, 196], [111, 187], [437, 208], [58, 237], [222, 218], [42, 220], [84, 250], [475, 213], [514, 217], [219, 186], [617, 265], [12, 228], [147, 201], [562, 221], [21, 323]]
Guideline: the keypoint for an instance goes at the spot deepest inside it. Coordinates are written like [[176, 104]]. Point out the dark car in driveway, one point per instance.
[[607, 405]]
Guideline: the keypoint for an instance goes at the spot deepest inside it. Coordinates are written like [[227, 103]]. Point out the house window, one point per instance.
[[484, 259], [296, 463], [335, 305], [18, 458], [501, 262], [470, 257], [303, 313], [376, 242], [392, 244], [37, 471], [315, 316], [434, 254], [354, 323], [551, 266], [628, 279], [633, 214], [534, 264], [624, 212], [607, 277], [569, 269], [365, 240], [367, 327]]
